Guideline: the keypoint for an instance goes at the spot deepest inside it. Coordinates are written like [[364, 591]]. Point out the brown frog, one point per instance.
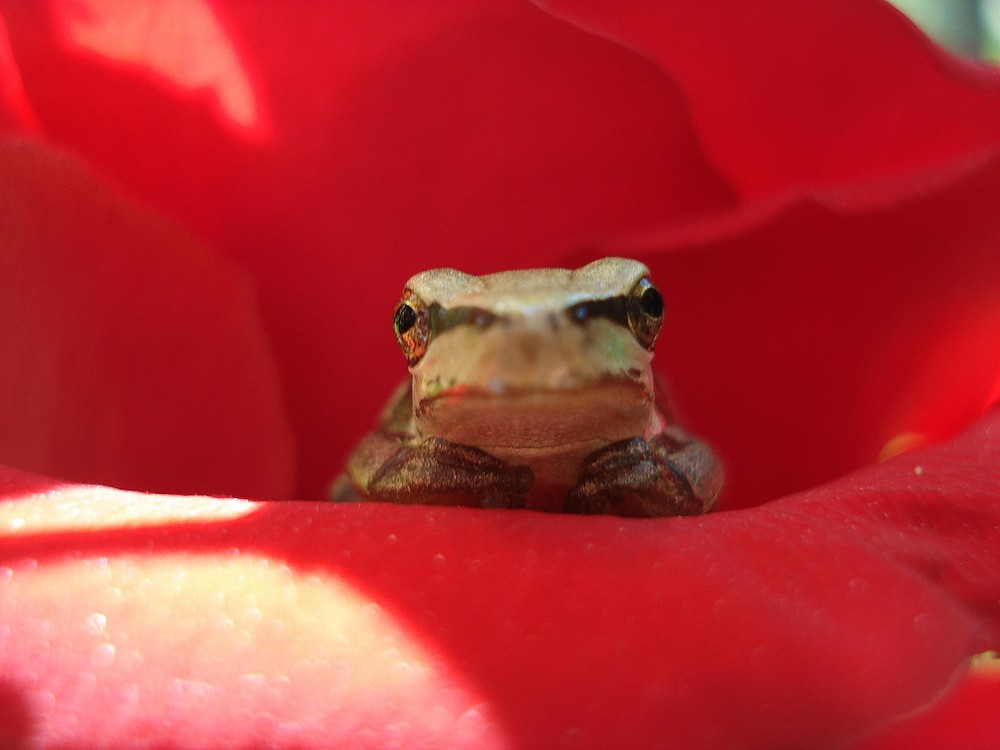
[[533, 389]]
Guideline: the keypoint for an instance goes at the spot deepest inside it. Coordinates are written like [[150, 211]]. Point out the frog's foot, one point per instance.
[[437, 468], [502, 501], [343, 490], [636, 477]]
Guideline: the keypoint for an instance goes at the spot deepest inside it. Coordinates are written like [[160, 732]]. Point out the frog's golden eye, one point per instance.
[[645, 312], [411, 325]]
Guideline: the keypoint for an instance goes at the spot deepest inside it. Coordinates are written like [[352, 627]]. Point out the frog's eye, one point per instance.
[[645, 312], [412, 328]]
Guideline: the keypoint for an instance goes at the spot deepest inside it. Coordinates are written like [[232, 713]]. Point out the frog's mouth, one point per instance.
[[526, 419]]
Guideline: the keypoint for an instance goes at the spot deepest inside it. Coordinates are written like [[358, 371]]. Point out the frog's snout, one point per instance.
[[529, 346]]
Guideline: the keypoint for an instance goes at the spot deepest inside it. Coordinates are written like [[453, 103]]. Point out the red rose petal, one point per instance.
[[966, 717], [799, 94], [15, 111], [444, 98], [131, 356], [803, 623]]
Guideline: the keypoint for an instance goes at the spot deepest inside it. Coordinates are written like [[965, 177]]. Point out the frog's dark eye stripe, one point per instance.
[[614, 309], [444, 319], [640, 311]]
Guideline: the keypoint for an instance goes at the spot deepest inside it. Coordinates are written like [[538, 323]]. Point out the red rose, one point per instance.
[[206, 213]]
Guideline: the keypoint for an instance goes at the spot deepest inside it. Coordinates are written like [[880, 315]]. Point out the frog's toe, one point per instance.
[[586, 499], [343, 490], [506, 502], [522, 480]]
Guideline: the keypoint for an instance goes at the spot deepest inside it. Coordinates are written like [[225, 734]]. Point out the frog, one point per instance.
[[533, 389]]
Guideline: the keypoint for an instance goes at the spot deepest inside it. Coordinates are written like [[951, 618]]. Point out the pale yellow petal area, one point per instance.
[[182, 42], [86, 508], [161, 646]]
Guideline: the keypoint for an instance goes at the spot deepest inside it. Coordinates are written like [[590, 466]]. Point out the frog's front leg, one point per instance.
[[434, 470], [671, 474]]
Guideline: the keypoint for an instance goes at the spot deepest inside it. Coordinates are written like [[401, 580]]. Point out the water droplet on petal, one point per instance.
[[95, 623], [103, 655]]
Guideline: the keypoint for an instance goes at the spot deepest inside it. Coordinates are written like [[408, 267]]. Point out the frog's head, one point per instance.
[[535, 358]]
